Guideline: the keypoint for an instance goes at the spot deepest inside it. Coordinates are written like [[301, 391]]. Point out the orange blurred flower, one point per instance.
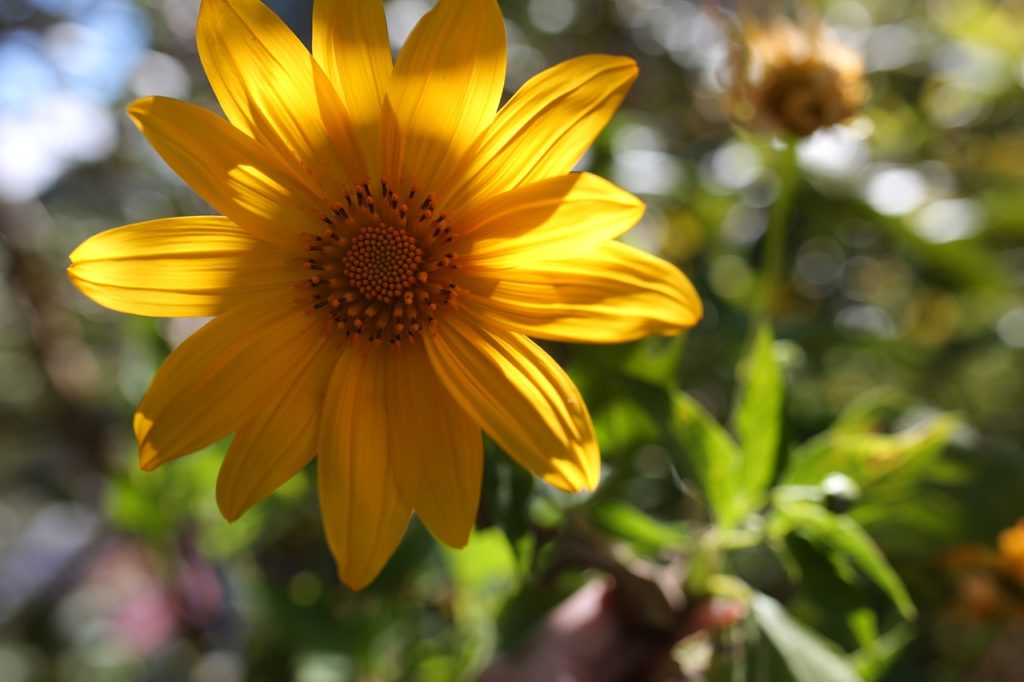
[[1011, 552]]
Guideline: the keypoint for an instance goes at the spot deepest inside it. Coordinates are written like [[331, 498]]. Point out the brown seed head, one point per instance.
[[795, 80]]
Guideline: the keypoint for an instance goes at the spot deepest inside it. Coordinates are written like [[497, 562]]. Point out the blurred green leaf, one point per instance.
[[655, 359], [624, 424], [863, 623], [627, 399], [843, 536], [628, 522], [810, 658], [158, 505], [485, 573], [970, 497], [868, 457], [877, 655], [505, 496], [757, 416], [869, 410], [963, 262], [712, 455]]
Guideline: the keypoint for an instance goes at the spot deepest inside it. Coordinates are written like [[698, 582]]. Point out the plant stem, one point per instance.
[[775, 235]]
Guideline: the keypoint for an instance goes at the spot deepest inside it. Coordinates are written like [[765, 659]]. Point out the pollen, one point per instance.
[[383, 267]]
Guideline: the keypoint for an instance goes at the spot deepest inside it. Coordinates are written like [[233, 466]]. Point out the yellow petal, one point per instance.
[[277, 444], [178, 267], [523, 399], [444, 90], [235, 174], [613, 295], [544, 129], [436, 448], [350, 42], [270, 86], [222, 377], [547, 219], [363, 515]]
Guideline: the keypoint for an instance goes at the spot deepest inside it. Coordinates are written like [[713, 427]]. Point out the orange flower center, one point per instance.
[[382, 262], [380, 271]]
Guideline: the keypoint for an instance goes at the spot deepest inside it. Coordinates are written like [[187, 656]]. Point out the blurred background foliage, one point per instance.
[[895, 359]]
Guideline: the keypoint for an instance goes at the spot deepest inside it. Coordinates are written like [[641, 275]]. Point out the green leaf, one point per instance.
[[876, 657], [626, 521], [624, 424], [868, 457], [757, 416], [844, 537], [485, 574], [863, 624], [964, 261], [870, 410], [809, 657], [710, 454], [655, 359]]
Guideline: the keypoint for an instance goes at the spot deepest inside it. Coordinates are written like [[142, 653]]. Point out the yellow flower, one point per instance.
[[793, 79], [388, 242]]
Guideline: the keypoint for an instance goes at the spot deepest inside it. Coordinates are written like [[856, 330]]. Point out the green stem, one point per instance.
[[775, 235]]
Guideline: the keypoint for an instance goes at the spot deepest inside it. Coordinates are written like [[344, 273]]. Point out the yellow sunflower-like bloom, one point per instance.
[[389, 240]]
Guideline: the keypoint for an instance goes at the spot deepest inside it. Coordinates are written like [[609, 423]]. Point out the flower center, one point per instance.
[[382, 262], [380, 271]]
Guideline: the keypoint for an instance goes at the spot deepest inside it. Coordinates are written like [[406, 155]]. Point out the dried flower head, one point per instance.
[[793, 79]]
